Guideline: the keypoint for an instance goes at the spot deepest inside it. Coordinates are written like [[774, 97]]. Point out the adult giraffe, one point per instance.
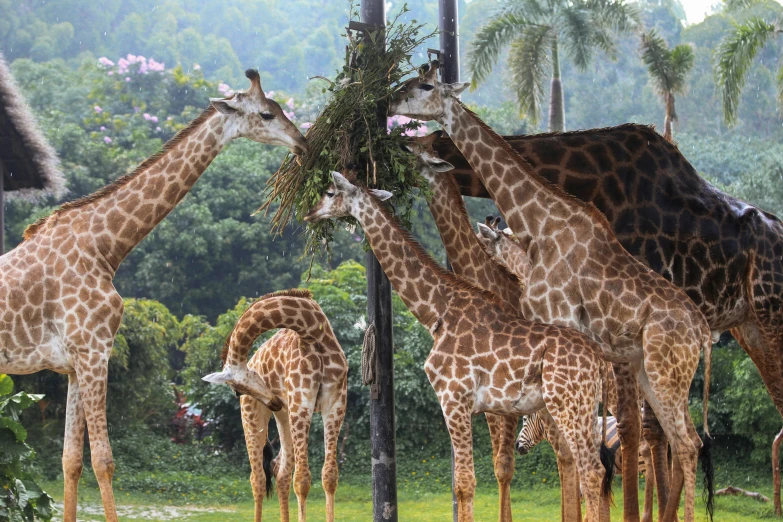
[[726, 254], [582, 277], [60, 309]]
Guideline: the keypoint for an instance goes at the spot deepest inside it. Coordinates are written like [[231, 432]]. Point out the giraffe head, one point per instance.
[[244, 381], [424, 97], [342, 198], [505, 249], [252, 115], [428, 161]]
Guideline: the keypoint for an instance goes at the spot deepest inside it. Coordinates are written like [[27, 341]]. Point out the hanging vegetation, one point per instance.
[[351, 135]]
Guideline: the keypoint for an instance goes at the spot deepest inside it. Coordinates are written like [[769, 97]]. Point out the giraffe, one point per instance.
[[303, 368], [486, 357], [582, 277], [726, 254], [469, 261], [61, 309]]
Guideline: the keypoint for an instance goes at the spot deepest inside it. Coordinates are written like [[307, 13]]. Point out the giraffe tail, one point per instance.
[[607, 454], [268, 472], [705, 455]]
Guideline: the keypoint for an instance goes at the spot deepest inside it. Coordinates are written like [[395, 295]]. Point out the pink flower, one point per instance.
[[154, 119], [147, 116], [122, 65], [98, 109], [288, 114], [224, 89], [269, 94], [157, 129], [110, 73], [306, 125], [105, 62], [127, 78], [196, 67], [107, 140], [290, 103], [156, 66], [169, 118], [103, 128]]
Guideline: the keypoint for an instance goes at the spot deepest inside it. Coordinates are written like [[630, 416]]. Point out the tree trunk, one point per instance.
[[669, 118], [776, 472], [556, 102]]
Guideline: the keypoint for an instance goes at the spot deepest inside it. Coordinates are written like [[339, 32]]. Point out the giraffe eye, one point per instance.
[[330, 194], [267, 116], [426, 87]]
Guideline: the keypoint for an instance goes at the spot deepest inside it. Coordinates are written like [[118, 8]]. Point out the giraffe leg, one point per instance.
[[333, 412], [300, 428], [92, 389], [649, 482], [659, 450], [255, 423], [629, 431], [285, 463], [502, 430], [574, 408], [570, 502], [73, 448], [458, 421], [678, 426]]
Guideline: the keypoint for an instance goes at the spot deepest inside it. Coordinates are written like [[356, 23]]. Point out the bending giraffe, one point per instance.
[[486, 358], [582, 277], [61, 309], [299, 371]]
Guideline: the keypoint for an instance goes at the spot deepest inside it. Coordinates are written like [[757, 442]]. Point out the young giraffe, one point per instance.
[[470, 261], [582, 277], [61, 311], [486, 357], [303, 368]]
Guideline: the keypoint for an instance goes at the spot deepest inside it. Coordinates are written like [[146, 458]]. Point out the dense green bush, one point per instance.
[[21, 499]]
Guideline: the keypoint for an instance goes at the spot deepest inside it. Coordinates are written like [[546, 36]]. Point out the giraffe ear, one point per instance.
[[439, 165], [218, 378], [223, 105], [455, 89], [382, 195], [487, 232], [341, 182]]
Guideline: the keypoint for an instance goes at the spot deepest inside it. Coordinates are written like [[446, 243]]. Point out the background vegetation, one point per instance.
[[111, 81]]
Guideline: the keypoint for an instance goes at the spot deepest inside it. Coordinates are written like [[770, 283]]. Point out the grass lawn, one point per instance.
[[353, 504]]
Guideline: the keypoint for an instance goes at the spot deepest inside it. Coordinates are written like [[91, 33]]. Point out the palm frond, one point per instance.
[[738, 5], [734, 57], [489, 40], [617, 16], [657, 57], [530, 64], [531, 10], [682, 59], [576, 35]]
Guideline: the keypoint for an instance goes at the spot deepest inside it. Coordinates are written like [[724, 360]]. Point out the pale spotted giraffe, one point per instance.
[[582, 277], [299, 371], [470, 261], [61, 311], [486, 357]]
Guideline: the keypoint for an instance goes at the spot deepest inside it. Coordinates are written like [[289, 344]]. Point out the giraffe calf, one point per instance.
[[303, 368]]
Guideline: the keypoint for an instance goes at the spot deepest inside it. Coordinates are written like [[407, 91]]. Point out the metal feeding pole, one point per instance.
[[448, 25], [379, 313]]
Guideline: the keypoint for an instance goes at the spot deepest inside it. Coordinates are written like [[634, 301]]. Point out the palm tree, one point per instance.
[[535, 31], [668, 69], [736, 52]]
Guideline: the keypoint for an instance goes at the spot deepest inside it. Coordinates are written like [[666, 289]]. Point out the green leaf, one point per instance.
[[6, 385], [15, 426]]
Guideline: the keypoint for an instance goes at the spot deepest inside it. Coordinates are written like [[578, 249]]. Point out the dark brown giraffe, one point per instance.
[[726, 254]]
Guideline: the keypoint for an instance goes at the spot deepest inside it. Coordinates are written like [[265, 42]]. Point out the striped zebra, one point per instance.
[[534, 431]]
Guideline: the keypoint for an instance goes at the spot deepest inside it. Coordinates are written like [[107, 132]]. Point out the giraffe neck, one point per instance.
[[121, 215], [420, 282], [527, 201], [464, 250]]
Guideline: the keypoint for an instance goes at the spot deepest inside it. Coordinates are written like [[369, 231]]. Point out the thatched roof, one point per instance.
[[30, 165]]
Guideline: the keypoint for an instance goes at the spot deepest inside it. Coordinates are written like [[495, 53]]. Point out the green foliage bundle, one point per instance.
[[350, 134], [21, 499]]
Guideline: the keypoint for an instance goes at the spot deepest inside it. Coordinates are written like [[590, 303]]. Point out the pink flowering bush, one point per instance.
[[408, 126]]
